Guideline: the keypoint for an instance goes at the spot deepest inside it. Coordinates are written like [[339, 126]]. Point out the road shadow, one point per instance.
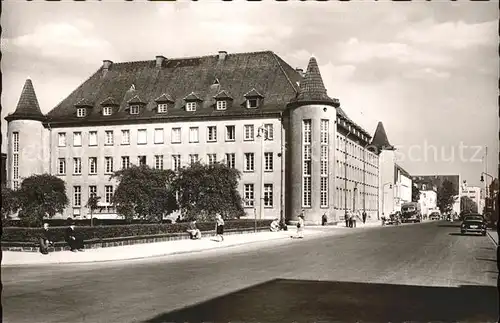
[[465, 234], [449, 225], [283, 300]]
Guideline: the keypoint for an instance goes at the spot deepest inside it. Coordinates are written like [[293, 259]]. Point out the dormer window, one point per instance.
[[107, 111], [221, 105], [253, 99], [134, 109], [162, 108], [81, 112], [192, 101], [191, 106], [252, 103]]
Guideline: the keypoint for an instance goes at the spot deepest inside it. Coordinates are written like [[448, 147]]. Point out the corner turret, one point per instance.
[[27, 107]]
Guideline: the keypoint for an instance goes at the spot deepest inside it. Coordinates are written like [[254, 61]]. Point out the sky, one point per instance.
[[427, 70]]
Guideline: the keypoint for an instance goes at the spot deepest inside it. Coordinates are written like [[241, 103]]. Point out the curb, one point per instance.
[[491, 238], [146, 257]]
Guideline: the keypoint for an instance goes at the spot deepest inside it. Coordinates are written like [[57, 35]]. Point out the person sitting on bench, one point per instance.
[[274, 226], [45, 240], [194, 231], [75, 243]]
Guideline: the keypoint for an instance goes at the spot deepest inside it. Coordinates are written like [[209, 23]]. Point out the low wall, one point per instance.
[[121, 241]]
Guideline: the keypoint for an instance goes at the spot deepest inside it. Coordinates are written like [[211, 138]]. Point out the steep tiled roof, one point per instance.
[[223, 95], [312, 89], [27, 107], [164, 98], [238, 74], [380, 138]]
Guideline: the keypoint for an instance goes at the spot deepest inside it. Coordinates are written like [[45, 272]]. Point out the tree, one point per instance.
[[144, 193], [205, 190], [415, 193], [41, 196], [467, 205], [494, 188], [446, 196], [92, 205], [10, 203]]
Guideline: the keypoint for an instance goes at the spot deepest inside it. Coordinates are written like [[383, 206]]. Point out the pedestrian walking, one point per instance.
[[219, 227], [45, 239], [347, 217], [300, 226], [364, 217]]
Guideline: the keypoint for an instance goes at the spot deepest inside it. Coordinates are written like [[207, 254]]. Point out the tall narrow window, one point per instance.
[[108, 165], [324, 160], [141, 160], [248, 194], [212, 134], [92, 190], [77, 139], [176, 162], [194, 135], [249, 132], [159, 161], [176, 135], [230, 133], [62, 139], [77, 196], [77, 166], [15, 160], [92, 165], [108, 138], [212, 158], [249, 162], [193, 158], [125, 162], [269, 131], [108, 190], [231, 160], [126, 137], [142, 137], [158, 136], [61, 169], [306, 161], [92, 138], [268, 161], [268, 195]]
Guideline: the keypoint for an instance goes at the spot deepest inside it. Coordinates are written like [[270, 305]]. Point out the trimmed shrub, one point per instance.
[[19, 234]]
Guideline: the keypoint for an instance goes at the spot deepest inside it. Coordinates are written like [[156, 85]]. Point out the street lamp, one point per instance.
[[486, 182], [383, 196], [263, 134]]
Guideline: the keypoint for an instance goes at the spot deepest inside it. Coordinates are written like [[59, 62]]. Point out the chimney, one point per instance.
[[106, 64], [222, 55], [159, 61], [300, 71]]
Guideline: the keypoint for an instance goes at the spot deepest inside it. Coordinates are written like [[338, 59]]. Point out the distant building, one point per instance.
[[428, 201], [434, 182], [169, 112], [3, 170], [474, 193]]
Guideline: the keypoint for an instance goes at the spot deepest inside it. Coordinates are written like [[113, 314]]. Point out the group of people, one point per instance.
[[195, 233], [351, 218], [70, 236]]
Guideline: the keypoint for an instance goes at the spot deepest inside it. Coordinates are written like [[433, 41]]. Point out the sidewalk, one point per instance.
[[145, 250], [493, 234]]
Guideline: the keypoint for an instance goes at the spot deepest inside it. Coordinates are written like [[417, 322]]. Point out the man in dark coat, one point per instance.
[[364, 217], [45, 239], [74, 242]]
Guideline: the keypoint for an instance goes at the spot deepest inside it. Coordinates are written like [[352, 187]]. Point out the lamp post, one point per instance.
[[486, 182], [383, 196], [262, 133]]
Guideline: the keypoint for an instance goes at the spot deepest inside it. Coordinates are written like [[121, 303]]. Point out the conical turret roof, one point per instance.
[[27, 107], [380, 139], [312, 89]]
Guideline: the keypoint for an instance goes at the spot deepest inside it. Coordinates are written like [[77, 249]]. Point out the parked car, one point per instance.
[[435, 216], [473, 223]]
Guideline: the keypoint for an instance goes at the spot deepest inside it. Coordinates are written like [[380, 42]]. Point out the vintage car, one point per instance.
[[473, 223]]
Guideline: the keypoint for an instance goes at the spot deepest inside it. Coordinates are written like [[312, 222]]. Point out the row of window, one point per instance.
[[355, 150], [248, 194], [350, 200], [162, 107], [109, 165], [355, 173], [15, 160], [159, 136]]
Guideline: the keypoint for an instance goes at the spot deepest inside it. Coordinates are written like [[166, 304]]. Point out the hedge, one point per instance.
[[20, 234], [78, 222]]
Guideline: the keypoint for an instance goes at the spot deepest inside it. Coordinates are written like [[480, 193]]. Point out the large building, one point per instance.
[[296, 148], [428, 202], [395, 183], [3, 169], [474, 193]]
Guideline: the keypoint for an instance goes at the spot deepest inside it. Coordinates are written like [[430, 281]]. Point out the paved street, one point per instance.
[[421, 272]]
